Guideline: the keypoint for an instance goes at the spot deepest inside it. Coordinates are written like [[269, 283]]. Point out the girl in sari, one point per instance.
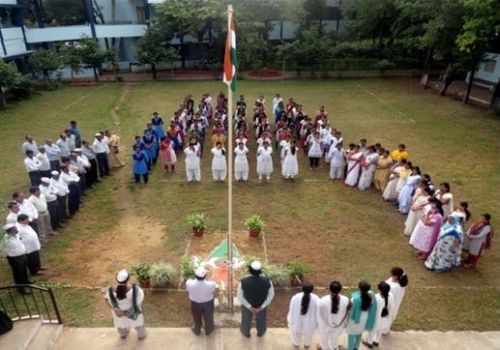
[[419, 201], [425, 234], [354, 158], [478, 238], [368, 169], [390, 193], [446, 252]]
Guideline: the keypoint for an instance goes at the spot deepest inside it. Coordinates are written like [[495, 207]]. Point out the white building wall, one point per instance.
[[8, 2], [491, 77], [14, 42]]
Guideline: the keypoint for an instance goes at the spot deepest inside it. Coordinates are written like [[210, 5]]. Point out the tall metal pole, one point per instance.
[[230, 183]]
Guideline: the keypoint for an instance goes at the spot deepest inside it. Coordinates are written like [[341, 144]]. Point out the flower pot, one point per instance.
[[198, 232], [254, 233], [144, 283]]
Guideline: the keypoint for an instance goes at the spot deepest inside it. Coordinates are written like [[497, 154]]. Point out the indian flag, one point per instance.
[[230, 53]]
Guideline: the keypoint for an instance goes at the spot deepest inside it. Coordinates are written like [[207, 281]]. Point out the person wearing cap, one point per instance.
[[32, 165], [63, 145], [72, 180], [201, 293], [446, 252], [125, 301], [37, 198], [193, 171], [88, 152], [101, 150], [255, 293], [50, 194], [44, 162], [15, 252], [79, 165], [32, 244], [14, 211], [26, 207], [54, 154], [62, 190]]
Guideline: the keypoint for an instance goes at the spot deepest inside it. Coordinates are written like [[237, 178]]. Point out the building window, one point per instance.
[[489, 66]]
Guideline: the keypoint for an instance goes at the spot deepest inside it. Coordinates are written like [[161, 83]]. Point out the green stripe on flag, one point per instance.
[[221, 250]]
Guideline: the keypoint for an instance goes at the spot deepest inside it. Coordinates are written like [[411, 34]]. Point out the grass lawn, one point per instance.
[[342, 233]]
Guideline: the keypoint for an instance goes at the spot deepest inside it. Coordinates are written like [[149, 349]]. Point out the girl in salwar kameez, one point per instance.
[[167, 154], [368, 169], [447, 250], [426, 232], [157, 122], [444, 195], [354, 160], [332, 317], [477, 239], [362, 316], [302, 316], [419, 201], [398, 282]]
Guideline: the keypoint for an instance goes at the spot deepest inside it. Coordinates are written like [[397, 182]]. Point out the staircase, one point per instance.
[[31, 334]]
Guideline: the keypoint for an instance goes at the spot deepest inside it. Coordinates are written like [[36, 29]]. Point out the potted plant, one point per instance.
[[296, 271], [187, 267], [278, 274], [142, 271], [254, 225], [161, 274], [197, 222]]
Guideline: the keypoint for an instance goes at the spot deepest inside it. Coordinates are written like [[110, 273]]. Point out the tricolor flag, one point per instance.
[[229, 76]]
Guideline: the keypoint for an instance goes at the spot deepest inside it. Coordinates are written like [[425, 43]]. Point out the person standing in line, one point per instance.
[[336, 155], [15, 252], [26, 207], [202, 294], [62, 191], [354, 161], [39, 201], [140, 165], [125, 301], [398, 282], [193, 171], [314, 149], [383, 170], [167, 154], [417, 208], [219, 163], [44, 162], [101, 150], [50, 194], [400, 153], [29, 145], [74, 130], [241, 163], [32, 165], [31, 243], [368, 167], [54, 154], [385, 301], [63, 145], [302, 316], [290, 165], [363, 315], [14, 211], [477, 239], [72, 181], [410, 186], [114, 157], [446, 198], [332, 316], [265, 161], [88, 151], [255, 293]]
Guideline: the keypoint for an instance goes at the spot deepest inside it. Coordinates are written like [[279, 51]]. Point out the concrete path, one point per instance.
[[275, 338]]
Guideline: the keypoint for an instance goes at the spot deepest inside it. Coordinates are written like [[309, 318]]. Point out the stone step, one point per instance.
[[21, 335], [274, 339], [45, 337]]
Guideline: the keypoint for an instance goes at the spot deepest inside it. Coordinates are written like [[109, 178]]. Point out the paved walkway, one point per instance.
[[275, 338]]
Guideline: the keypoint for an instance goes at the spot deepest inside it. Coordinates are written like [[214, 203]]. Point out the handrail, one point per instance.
[[40, 303]]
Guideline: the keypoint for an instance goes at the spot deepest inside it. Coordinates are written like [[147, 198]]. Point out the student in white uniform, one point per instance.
[[32, 165], [29, 145], [125, 301], [336, 156], [302, 316], [241, 163], [54, 154], [193, 171], [290, 165], [32, 244], [398, 282], [15, 252], [265, 161], [44, 162], [385, 301], [332, 316], [219, 162], [39, 201]]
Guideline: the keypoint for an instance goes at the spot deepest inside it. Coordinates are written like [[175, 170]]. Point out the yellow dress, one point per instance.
[[397, 155], [114, 157]]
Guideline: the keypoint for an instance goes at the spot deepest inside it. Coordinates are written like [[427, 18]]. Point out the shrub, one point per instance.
[[142, 271], [384, 64], [297, 270], [254, 223], [162, 273], [21, 87], [187, 267], [197, 221], [278, 274]]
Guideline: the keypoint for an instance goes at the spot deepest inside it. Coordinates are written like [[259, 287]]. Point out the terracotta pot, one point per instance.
[[254, 233], [198, 232], [144, 283]]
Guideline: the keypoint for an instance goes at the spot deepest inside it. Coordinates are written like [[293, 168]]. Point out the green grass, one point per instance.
[[340, 232]]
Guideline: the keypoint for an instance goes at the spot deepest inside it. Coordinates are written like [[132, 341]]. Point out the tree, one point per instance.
[[71, 57], [315, 13], [151, 50], [7, 76], [44, 61], [92, 54], [64, 12], [481, 26], [312, 49]]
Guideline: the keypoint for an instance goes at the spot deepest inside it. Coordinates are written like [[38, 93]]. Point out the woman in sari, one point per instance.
[[383, 170], [114, 157], [405, 196], [446, 252], [419, 201], [390, 193], [478, 238], [368, 169], [167, 154], [425, 234], [354, 160]]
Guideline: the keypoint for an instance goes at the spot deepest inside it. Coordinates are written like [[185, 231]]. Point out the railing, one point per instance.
[[39, 304]]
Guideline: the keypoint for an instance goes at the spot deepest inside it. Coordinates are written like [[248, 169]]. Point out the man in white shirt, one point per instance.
[[63, 145], [78, 164], [201, 293], [72, 180], [276, 101], [62, 190], [31, 243], [44, 162], [14, 211], [25, 207], [15, 252], [88, 152], [38, 200], [29, 145], [32, 165], [255, 293], [101, 150], [70, 140], [50, 194], [54, 154]]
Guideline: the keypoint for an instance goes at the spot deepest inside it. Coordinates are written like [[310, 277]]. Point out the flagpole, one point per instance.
[[230, 186]]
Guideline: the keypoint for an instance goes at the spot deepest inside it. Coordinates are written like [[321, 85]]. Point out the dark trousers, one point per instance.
[[205, 311], [313, 162], [63, 211], [73, 198], [45, 173], [55, 165], [145, 177], [82, 183], [102, 164], [53, 208], [33, 261], [246, 321], [19, 268], [92, 172], [34, 178]]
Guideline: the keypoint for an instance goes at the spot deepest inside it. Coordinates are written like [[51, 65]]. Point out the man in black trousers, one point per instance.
[[16, 256]]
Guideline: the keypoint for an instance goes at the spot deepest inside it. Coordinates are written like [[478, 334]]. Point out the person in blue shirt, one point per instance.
[[140, 167]]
